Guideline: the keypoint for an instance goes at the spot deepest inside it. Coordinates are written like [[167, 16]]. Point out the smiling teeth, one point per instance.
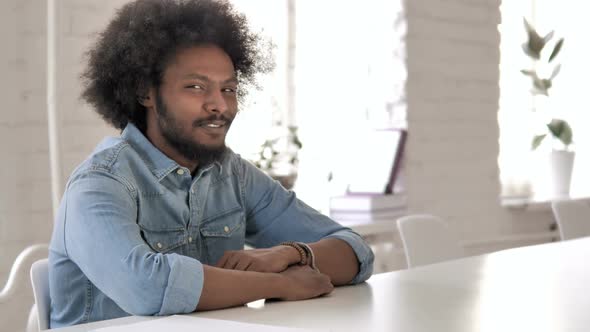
[[212, 125]]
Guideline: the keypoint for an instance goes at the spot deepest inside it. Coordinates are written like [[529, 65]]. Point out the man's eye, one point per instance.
[[196, 86], [230, 90]]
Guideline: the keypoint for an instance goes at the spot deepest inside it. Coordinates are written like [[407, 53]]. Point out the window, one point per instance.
[[270, 102], [349, 78], [567, 96]]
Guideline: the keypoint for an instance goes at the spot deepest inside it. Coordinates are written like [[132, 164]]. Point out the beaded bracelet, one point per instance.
[[310, 255], [300, 249]]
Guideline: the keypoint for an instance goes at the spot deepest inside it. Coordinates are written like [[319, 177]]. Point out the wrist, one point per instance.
[[291, 254], [310, 255], [301, 257]]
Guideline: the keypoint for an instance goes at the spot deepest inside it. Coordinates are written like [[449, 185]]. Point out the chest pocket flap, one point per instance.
[[224, 224], [163, 240]]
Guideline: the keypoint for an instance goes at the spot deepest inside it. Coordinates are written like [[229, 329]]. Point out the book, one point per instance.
[[367, 202]]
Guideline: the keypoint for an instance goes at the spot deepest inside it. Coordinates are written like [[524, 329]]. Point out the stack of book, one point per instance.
[[356, 209]]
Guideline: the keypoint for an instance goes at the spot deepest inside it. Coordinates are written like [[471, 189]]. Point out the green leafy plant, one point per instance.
[[559, 129], [279, 149], [278, 156]]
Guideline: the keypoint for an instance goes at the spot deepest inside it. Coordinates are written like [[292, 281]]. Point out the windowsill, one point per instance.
[[535, 203]]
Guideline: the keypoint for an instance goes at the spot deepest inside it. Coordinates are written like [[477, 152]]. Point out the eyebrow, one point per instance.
[[233, 79]]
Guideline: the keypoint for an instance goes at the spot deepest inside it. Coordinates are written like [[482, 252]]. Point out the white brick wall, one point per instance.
[[25, 196], [452, 89], [80, 128], [25, 211]]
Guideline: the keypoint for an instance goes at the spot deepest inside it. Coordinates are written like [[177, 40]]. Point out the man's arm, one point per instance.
[[103, 239], [224, 288], [333, 257], [275, 215], [336, 259]]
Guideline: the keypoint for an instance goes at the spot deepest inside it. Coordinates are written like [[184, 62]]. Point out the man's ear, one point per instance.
[[147, 98]]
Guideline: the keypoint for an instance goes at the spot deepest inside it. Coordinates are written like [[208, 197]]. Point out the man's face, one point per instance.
[[196, 104]]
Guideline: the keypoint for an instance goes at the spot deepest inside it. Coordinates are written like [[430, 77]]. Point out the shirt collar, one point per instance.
[[159, 164]]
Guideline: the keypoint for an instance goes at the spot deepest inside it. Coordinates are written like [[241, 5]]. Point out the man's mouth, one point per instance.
[[214, 124]]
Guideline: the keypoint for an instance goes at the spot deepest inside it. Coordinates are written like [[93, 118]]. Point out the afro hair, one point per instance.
[[131, 54]]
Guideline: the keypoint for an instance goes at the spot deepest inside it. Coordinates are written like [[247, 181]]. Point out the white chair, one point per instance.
[[40, 282], [427, 239], [573, 218], [17, 277]]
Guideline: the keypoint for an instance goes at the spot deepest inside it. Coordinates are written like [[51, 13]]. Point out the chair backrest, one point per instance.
[[573, 218], [428, 239], [40, 282]]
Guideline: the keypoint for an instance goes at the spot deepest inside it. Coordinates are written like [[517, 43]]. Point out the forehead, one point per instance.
[[207, 60]]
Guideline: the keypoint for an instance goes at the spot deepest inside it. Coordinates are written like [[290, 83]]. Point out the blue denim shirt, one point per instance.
[[134, 230]]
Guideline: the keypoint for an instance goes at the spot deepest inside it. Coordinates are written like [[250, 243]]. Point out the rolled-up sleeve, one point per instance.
[[276, 215], [103, 239], [363, 253]]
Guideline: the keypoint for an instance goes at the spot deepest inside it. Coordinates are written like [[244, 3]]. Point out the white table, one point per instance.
[[538, 288]]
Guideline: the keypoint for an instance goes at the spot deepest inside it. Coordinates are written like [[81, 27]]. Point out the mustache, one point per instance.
[[220, 117]]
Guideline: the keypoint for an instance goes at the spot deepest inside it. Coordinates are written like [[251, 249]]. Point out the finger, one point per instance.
[[232, 262], [243, 264], [328, 289], [224, 259], [253, 267]]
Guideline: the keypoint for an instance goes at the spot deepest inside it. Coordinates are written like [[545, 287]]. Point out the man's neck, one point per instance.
[[161, 144]]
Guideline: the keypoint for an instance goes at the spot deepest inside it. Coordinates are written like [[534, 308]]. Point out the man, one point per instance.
[[154, 222]]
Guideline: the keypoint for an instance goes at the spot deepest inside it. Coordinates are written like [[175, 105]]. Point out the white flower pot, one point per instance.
[[562, 164]]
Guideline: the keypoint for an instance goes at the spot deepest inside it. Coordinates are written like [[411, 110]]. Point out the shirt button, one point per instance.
[[159, 245], [180, 171], [190, 239], [226, 229]]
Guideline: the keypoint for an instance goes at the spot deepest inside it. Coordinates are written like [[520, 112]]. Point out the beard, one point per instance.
[[172, 131]]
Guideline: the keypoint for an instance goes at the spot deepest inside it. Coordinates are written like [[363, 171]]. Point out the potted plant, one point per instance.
[[557, 130], [278, 156]]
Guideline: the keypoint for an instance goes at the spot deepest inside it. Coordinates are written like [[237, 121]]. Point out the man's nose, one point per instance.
[[216, 102]]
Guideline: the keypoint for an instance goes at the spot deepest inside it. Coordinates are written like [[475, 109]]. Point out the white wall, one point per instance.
[[80, 128], [25, 195], [452, 89], [25, 210]]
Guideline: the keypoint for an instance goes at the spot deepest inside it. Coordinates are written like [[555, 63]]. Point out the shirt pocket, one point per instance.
[[164, 240], [224, 231]]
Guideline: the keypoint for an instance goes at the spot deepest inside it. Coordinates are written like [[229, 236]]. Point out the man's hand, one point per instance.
[[303, 282], [223, 288], [275, 259]]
